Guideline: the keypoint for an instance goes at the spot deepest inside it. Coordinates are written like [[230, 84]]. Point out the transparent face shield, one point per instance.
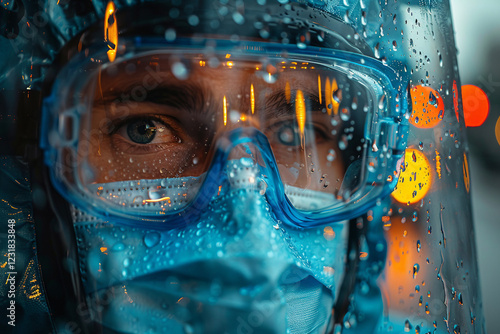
[[145, 135], [420, 274], [418, 266]]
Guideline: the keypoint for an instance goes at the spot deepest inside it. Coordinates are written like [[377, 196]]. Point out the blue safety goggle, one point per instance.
[[151, 137]]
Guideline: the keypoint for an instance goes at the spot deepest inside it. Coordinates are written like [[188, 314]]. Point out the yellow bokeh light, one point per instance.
[[335, 103], [415, 180], [319, 89], [328, 96], [224, 109], [252, 98], [300, 111]]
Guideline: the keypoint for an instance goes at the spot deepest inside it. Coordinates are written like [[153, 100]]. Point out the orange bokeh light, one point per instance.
[[476, 105], [405, 253], [111, 31], [465, 166], [497, 130], [428, 107]]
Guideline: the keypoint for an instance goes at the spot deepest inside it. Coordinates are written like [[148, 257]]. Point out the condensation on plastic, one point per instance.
[[413, 36], [429, 281]]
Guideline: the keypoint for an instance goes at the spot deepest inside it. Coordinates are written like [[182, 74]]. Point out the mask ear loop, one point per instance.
[[342, 304], [53, 225]]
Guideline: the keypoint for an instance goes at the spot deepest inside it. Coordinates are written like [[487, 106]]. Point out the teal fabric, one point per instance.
[[27, 287]]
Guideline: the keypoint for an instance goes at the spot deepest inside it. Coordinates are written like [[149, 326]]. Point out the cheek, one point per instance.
[[112, 166], [330, 157], [330, 165]]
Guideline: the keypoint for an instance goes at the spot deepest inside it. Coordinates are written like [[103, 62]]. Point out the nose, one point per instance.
[[240, 208], [245, 166]]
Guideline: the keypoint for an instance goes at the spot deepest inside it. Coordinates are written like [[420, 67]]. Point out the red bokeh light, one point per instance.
[[476, 105]]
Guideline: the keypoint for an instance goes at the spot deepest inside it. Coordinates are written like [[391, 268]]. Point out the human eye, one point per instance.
[[287, 133], [146, 134]]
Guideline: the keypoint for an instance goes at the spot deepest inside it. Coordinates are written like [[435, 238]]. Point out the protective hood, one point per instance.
[[33, 32]]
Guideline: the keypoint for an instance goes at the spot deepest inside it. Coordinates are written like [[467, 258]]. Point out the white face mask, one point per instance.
[[235, 270]]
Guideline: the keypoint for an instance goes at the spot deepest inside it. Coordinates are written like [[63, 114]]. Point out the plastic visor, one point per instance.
[[149, 135]]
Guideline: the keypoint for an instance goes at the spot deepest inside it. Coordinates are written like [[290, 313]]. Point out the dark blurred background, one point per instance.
[[477, 33]]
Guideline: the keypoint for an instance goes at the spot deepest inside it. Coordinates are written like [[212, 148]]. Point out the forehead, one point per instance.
[[227, 73]]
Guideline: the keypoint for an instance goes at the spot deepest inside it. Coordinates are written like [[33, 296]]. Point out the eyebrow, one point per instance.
[[194, 98], [277, 105], [189, 97]]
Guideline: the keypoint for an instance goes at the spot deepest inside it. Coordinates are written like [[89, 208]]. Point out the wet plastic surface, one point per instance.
[[418, 267]]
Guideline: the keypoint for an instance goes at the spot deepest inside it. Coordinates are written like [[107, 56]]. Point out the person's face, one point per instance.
[[157, 118]]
